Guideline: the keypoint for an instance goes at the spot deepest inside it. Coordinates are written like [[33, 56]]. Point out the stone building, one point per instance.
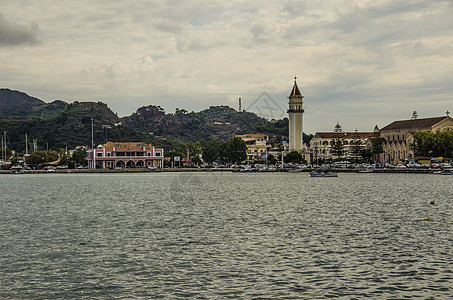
[[321, 143], [398, 136]]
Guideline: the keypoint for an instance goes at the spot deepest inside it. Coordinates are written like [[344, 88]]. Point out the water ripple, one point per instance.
[[223, 235]]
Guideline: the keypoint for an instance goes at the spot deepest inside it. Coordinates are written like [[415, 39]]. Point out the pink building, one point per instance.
[[125, 155]]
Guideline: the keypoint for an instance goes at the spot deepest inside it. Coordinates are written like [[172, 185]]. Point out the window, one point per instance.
[[99, 154], [157, 153], [149, 153], [108, 154]]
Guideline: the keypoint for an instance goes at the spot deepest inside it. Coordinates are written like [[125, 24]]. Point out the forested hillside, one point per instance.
[[58, 124]]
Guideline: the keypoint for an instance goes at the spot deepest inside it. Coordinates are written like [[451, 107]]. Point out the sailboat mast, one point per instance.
[[4, 143], [92, 144]]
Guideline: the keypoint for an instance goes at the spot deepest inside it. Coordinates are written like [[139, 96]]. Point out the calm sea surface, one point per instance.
[[226, 235]]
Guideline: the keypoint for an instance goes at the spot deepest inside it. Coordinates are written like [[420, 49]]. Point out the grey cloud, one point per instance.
[[258, 31], [296, 8], [169, 27], [375, 28], [12, 34]]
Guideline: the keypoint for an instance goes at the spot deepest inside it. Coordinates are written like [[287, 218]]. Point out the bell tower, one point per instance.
[[296, 116]]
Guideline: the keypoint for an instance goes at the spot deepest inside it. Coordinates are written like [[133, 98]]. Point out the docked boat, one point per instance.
[[16, 170], [447, 172], [50, 170], [323, 174], [365, 171]]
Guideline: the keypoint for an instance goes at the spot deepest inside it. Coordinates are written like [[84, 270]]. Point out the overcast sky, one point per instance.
[[360, 63]]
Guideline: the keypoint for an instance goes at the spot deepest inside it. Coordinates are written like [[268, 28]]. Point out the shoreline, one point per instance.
[[113, 171]]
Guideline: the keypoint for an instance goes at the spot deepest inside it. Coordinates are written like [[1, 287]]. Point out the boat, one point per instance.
[[16, 170], [323, 174], [50, 170], [365, 171], [447, 172]]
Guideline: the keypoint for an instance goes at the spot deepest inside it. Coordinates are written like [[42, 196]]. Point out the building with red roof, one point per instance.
[[125, 155]]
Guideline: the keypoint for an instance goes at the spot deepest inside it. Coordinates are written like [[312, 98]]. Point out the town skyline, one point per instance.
[[359, 64]]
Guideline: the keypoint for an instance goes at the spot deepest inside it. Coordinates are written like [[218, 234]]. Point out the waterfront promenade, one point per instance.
[[144, 170]]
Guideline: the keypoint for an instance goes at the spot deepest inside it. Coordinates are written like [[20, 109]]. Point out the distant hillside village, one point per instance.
[[89, 135]]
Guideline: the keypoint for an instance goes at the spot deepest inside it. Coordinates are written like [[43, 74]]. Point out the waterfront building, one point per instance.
[[257, 146], [296, 118], [125, 155], [322, 142], [398, 136]]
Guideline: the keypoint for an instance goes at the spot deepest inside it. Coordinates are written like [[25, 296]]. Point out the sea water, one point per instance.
[[225, 235]]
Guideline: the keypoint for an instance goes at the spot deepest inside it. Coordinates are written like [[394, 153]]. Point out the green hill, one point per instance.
[[216, 122], [58, 124], [17, 104]]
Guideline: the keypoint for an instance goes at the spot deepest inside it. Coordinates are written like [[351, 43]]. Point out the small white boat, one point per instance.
[[16, 170], [365, 171], [323, 174]]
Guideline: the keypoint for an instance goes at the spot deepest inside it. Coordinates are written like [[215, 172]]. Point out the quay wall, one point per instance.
[[85, 171]]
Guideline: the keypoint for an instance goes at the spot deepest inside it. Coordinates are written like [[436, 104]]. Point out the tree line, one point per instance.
[[433, 144], [231, 151]]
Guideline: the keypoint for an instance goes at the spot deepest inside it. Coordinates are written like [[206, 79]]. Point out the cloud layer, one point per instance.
[[360, 63], [12, 34]]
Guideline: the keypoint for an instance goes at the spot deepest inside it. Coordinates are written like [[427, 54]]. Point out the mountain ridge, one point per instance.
[[60, 124]]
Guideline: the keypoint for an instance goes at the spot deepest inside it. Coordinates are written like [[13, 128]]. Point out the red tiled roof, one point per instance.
[[414, 123], [346, 135], [126, 144], [252, 136]]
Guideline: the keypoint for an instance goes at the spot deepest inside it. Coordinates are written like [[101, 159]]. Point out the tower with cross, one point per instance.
[[296, 117]]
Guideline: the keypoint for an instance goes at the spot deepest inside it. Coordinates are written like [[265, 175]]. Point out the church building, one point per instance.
[[398, 136]]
